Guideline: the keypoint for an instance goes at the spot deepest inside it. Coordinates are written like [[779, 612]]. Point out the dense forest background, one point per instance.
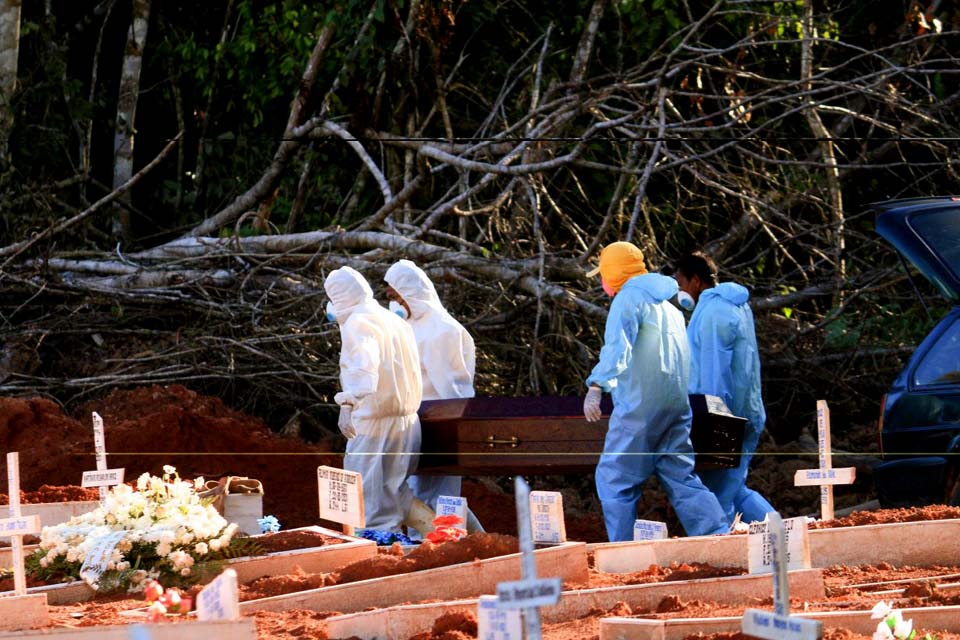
[[178, 177]]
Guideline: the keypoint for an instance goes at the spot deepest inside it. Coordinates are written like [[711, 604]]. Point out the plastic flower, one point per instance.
[[268, 524], [880, 611], [156, 612]]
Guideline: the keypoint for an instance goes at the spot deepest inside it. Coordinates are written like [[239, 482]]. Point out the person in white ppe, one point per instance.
[[447, 360], [644, 365], [380, 393]]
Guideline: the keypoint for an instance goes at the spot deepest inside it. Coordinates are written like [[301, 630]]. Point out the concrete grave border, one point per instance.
[[921, 543], [23, 612], [925, 618], [235, 630], [469, 579]]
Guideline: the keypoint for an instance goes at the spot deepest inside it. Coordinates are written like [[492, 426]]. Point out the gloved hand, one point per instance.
[[345, 421], [591, 404]]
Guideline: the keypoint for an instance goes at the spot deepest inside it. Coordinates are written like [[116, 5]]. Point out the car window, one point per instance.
[[941, 364], [940, 230]]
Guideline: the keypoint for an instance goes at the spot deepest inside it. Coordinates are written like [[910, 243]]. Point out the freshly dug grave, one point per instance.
[[889, 516], [675, 572], [478, 546]]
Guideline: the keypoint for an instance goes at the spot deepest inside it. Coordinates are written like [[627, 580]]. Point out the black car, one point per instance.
[[920, 416]]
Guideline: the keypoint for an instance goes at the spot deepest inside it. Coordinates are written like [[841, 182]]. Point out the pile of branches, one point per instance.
[[702, 145]]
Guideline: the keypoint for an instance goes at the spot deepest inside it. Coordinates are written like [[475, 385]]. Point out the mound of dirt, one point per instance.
[[149, 427]]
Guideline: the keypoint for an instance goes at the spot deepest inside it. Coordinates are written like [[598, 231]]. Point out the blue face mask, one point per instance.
[[399, 309], [330, 315], [685, 300]]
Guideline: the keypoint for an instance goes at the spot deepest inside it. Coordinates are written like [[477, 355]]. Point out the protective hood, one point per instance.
[[347, 289], [730, 291], [653, 287], [414, 287], [927, 232]]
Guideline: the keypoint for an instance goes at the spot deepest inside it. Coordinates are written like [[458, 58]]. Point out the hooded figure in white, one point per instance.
[[447, 360], [381, 391]]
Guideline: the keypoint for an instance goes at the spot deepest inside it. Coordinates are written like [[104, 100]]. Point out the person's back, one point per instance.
[[447, 361], [726, 363], [380, 393], [644, 364], [396, 393], [723, 315]]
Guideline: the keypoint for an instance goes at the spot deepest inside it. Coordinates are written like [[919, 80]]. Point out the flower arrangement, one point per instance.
[[892, 626], [163, 531], [445, 529]]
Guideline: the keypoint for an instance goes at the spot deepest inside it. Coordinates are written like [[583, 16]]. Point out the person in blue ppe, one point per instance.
[[644, 365], [447, 361], [380, 393], [725, 363]]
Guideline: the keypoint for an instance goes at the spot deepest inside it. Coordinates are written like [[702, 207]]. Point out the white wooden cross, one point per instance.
[[530, 593], [102, 477], [17, 526], [778, 625], [20, 611], [825, 476]]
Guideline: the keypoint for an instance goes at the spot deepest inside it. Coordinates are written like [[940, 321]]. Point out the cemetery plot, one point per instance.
[[185, 630], [402, 622], [567, 561]]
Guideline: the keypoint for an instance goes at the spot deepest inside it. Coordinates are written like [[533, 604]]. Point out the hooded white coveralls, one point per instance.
[[447, 358], [380, 378]]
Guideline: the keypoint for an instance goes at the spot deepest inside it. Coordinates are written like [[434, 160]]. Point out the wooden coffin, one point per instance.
[[540, 436]]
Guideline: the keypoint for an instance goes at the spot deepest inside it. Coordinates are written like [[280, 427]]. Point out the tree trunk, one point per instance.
[[9, 52], [127, 110]]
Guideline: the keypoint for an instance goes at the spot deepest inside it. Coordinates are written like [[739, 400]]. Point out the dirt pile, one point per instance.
[[149, 427], [48, 493]]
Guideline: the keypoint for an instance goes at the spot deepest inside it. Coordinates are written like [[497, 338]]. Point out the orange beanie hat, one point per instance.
[[619, 262]]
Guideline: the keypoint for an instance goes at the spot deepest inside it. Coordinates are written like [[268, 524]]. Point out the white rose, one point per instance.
[[163, 549], [169, 470], [185, 571], [201, 548], [215, 545]]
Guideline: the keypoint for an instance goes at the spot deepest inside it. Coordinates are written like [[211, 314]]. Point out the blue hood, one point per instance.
[[653, 287], [730, 291]]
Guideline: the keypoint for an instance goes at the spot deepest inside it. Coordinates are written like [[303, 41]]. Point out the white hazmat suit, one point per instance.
[[447, 361], [381, 392]]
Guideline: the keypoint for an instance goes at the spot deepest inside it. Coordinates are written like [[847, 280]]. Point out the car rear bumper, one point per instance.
[[910, 481]]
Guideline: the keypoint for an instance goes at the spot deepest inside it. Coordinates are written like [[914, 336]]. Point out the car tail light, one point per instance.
[[883, 407]]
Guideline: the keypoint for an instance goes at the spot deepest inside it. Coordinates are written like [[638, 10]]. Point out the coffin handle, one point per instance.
[[493, 441]]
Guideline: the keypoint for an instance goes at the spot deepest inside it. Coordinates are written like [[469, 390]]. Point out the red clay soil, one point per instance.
[[290, 540], [149, 427], [47, 494], [887, 516], [673, 573], [478, 546], [451, 626]]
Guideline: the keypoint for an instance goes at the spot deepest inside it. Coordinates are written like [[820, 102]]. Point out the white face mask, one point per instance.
[[685, 300], [398, 309], [331, 316]]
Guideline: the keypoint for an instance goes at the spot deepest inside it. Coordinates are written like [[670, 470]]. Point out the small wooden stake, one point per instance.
[[22, 610], [826, 476]]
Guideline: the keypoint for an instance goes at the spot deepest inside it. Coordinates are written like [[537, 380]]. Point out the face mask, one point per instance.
[[399, 309], [685, 300], [607, 288], [330, 315]]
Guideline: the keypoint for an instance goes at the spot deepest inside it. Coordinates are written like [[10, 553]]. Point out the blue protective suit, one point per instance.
[[644, 364], [726, 363]]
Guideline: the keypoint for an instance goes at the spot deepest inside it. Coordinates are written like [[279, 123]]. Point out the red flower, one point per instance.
[[447, 521]]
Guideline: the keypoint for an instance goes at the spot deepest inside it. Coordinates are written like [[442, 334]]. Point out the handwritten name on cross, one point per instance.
[[17, 526], [826, 476], [778, 625]]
